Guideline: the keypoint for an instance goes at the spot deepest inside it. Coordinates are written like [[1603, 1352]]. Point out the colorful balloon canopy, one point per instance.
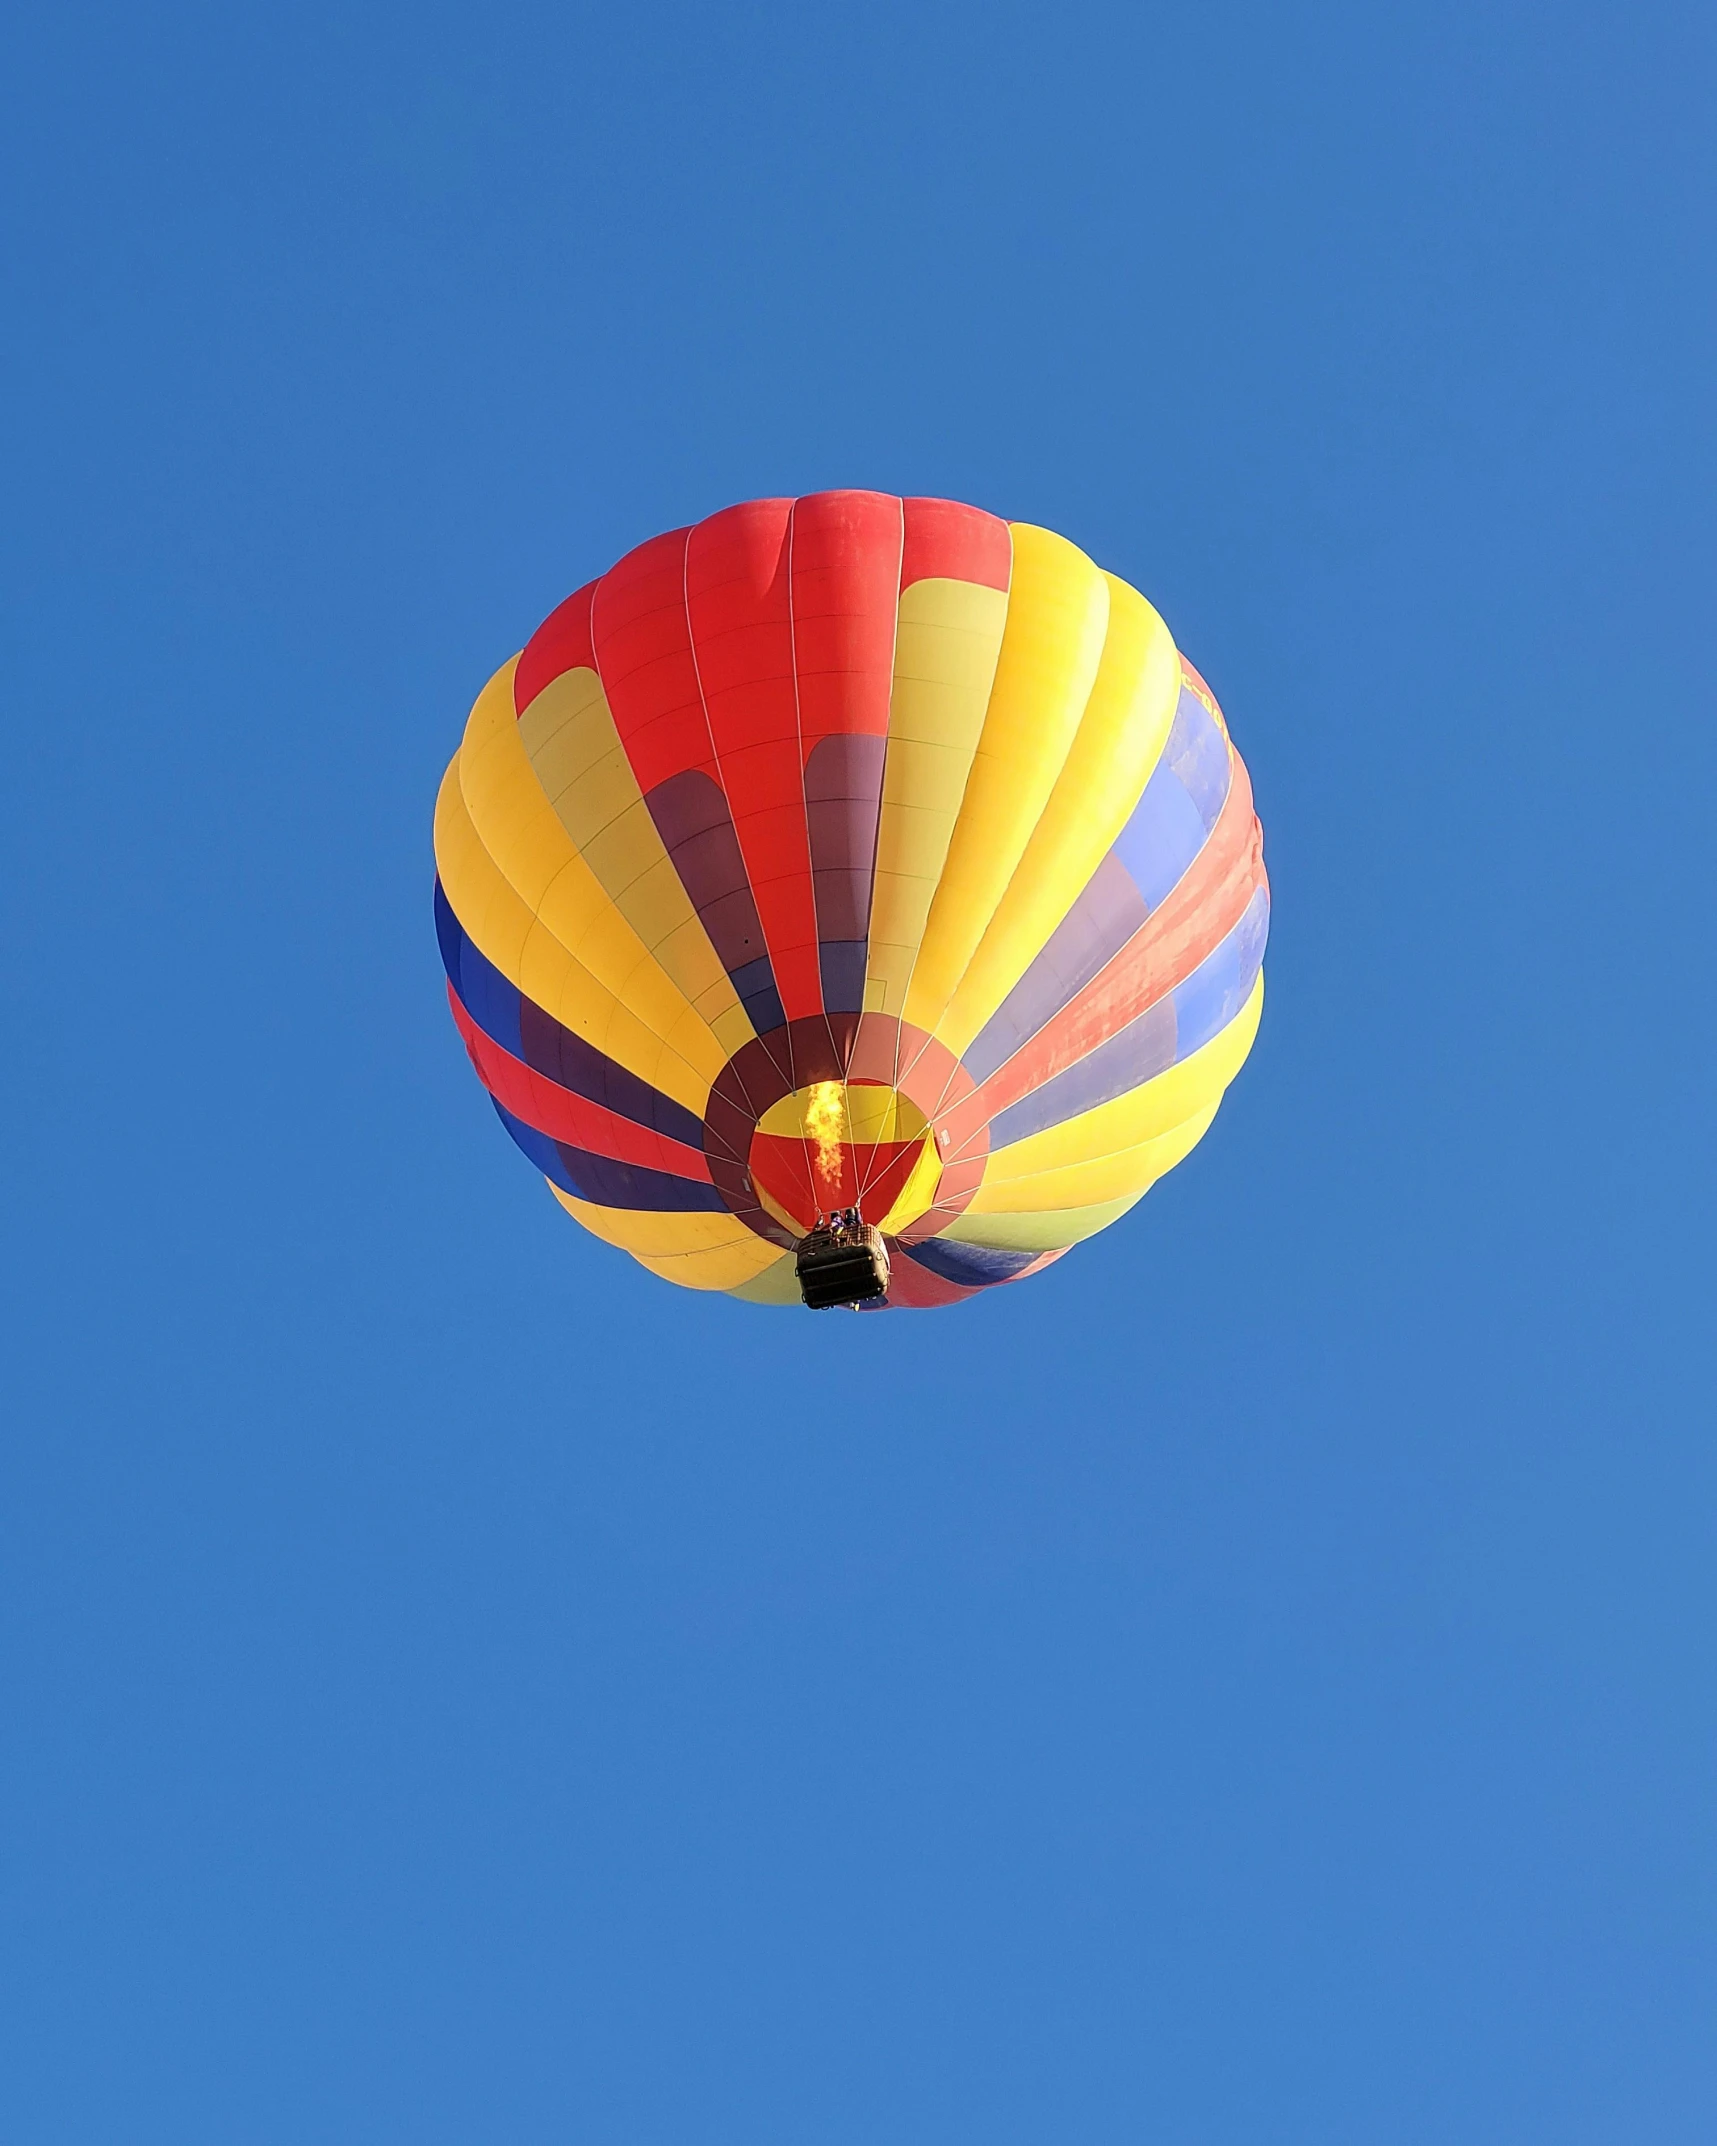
[[851, 851]]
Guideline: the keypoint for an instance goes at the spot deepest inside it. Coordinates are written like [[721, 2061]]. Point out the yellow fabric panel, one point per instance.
[[1105, 1177], [569, 737], [651, 1233], [723, 1268], [777, 1214], [868, 1112], [1120, 740], [946, 645], [918, 1193], [1051, 1231], [505, 932], [522, 833], [1146, 1112], [777, 1284], [1057, 617]]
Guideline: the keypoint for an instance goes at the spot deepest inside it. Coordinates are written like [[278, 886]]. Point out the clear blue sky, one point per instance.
[[1255, 1684]]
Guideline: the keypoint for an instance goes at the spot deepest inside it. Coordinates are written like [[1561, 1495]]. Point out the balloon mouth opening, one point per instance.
[[835, 1147]]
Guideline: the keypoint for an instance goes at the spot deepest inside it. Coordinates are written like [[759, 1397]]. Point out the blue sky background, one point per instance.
[[1255, 1683]]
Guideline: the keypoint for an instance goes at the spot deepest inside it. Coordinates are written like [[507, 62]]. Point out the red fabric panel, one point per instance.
[[782, 1168], [561, 643], [914, 1288], [556, 1111], [846, 549], [644, 652], [955, 1189], [738, 600], [1199, 687], [1203, 908], [786, 1166], [948, 542]]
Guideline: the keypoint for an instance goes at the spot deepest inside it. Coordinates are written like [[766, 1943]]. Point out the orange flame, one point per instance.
[[826, 1123]]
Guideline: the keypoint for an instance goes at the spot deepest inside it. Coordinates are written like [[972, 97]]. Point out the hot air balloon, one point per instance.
[[851, 900]]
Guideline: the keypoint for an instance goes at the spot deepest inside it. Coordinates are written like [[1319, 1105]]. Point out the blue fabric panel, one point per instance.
[[755, 983], [1173, 819], [1129, 1058], [604, 1182], [571, 1062], [1092, 933], [1198, 753], [1222, 983], [842, 964], [1168, 827], [539, 1041], [971, 1266], [486, 995], [1164, 1034]]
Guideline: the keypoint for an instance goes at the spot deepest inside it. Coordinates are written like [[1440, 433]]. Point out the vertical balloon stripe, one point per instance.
[[1152, 853], [642, 636], [1181, 804], [1121, 735], [1043, 1229], [739, 604], [776, 1284], [1057, 618], [1105, 916], [533, 1036], [513, 940], [690, 814], [1123, 1174], [519, 828], [643, 652], [915, 1287], [845, 580], [714, 1270], [561, 643], [599, 1178], [846, 550], [949, 638], [569, 737], [563, 1114], [1149, 1112], [491, 998], [972, 1266], [1179, 1024], [1221, 985], [1203, 908], [941, 540], [718, 1252], [843, 798]]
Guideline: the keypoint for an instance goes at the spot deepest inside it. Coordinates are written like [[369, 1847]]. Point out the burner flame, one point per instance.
[[826, 1124]]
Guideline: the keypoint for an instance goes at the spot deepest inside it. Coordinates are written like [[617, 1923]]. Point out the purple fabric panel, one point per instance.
[[1092, 933], [1172, 820], [1198, 1008], [842, 964], [599, 1178], [1164, 833], [1129, 1058], [843, 797], [971, 1266], [1197, 751], [572, 1063], [697, 832], [1222, 983]]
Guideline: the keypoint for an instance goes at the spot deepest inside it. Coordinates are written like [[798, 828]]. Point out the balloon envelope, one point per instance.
[[851, 852]]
